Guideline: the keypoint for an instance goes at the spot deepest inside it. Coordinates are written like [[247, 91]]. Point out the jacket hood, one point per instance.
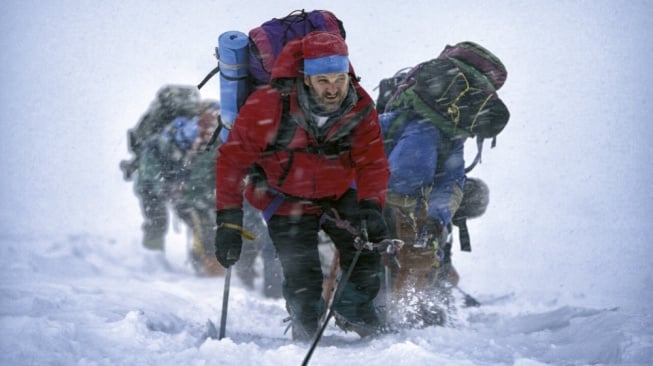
[[290, 62]]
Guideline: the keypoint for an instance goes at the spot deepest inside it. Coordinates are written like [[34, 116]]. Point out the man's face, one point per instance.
[[328, 89]]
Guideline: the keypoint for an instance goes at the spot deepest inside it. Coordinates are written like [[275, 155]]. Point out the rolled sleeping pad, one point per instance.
[[233, 59]]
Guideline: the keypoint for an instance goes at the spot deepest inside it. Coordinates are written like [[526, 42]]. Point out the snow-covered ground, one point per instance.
[[88, 300], [561, 260]]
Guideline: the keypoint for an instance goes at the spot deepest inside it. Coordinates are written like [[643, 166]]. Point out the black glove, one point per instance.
[[370, 211], [228, 240]]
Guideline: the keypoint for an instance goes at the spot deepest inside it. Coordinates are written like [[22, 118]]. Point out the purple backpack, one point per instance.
[[267, 40], [479, 58], [245, 61]]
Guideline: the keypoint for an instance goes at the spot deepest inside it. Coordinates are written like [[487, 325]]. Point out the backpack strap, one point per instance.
[[208, 76], [396, 123], [477, 158], [286, 130], [214, 137], [479, 152], [339, 144], [463, 234], [284, 135]]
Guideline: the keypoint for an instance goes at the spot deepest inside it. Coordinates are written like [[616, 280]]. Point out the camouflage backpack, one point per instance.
[[171, 101]]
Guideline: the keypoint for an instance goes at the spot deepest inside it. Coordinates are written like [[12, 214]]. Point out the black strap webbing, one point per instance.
[[463, 234], [208, 77], [286, 127], [479, 152], [215, 135]]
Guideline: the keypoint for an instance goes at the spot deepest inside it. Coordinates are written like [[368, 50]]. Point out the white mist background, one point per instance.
[[570, 206]]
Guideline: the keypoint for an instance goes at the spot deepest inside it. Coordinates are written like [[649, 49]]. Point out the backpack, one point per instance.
[[171, 101], [267, 40], [245, 61], [457, 91]]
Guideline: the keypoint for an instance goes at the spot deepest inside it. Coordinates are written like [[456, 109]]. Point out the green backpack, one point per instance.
[[456, 91]]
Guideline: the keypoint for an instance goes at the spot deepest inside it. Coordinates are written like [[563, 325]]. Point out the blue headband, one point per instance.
[[326, 65]]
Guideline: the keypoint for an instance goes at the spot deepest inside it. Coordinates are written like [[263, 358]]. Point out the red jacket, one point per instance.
[[300, 174]]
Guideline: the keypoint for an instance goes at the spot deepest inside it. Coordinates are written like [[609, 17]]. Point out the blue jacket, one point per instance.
[[422, 157]]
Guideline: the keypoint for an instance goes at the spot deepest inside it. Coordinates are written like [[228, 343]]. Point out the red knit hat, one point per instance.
[[324, 53]]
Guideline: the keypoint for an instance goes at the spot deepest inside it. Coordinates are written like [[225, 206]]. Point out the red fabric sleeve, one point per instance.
[[255, 125]]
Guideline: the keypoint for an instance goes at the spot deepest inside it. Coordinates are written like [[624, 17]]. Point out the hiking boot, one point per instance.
[[301, 333], [153, 241], [354, 309], [303, 327], [363, 329], [366, 322]]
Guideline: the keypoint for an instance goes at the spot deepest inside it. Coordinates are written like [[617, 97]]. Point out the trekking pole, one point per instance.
[[225, 302], [391, 251], [227, 280], [388, 291], [339, 290], [329, 287]]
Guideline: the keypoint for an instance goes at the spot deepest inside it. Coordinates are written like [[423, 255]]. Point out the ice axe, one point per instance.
[[225, 294], [225, 303], [211, 331]]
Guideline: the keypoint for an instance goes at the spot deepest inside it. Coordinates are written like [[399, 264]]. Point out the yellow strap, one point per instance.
[[246, 234]]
